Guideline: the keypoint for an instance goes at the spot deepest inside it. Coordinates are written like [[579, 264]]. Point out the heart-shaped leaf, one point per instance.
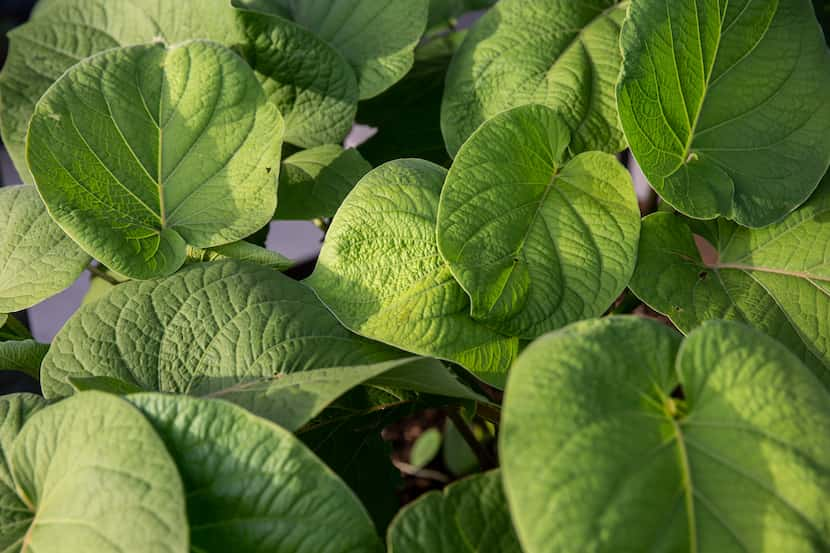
[[314, 182], [776, 279], [251, 485], [469, 516], [311, 83], [210, 326], [616, 437], [377, 38], [64, 32], [23, 356], [88, 474], [139, 151], [537, 241], [37, 260], [725, 104], [381, 274], [558, 53]]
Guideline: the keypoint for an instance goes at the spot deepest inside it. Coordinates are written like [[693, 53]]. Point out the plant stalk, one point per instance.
[[485, 459]]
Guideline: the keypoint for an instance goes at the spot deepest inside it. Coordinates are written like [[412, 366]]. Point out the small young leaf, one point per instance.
[[558, 53], [24, 356], [725, 104], [140, 151], [314, 182], [776, 279], [537, 241], [469, 516], [90, 474], [37, 260], [616, 437], [381, 274], [425, 448], [252, 485], [378, 37], [208, 327]]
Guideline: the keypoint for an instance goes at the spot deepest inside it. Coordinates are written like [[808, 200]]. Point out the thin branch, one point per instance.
[[103, 275], [485, 460], [488, 412], [412, 470]]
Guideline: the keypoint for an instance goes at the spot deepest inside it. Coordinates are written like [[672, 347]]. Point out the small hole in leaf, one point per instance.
[[702, 275], [268, 170]]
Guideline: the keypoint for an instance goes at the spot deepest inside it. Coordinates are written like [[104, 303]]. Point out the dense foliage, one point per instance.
[[617, 375]]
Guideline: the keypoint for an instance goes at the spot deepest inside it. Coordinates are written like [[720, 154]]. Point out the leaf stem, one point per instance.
[[488, 412], [485, 459], [627, 303], [103, 275]]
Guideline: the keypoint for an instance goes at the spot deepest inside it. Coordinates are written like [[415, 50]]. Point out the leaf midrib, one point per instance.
[[688, 485]]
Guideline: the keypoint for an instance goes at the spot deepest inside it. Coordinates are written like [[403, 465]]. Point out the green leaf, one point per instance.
[[616, 437], [15, 516], [24, 356], [348, 437], [210, 326], [468, 516], [103, 384], [37, 260], [90, 474], [537, 241], [425, 448], [408, 115], [293, 400], [311, 83], [776, 279], [381, 274], [192, 166], [65, 32], [558, 53], [314, 182], [12, 329], [725, 104], [251, 485], [242, 251], [377, 38], [459, 458]]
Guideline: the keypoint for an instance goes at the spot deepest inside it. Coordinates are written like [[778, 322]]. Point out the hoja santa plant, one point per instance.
[[610, 382]]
